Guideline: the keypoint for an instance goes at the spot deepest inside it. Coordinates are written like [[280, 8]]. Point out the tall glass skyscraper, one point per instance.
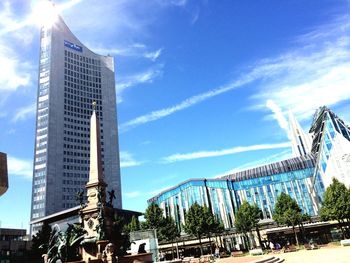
[[71, 77]]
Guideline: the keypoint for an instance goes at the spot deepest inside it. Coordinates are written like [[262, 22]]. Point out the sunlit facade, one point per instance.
[[260, 185], [304, 177], [331, 145], [71, 77]]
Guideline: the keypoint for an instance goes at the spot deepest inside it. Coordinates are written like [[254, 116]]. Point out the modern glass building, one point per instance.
[[259, 185], [331, 146], [71, 78], [304, 177]]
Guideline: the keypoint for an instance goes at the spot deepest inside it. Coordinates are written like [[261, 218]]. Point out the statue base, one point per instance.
[[144, 258]]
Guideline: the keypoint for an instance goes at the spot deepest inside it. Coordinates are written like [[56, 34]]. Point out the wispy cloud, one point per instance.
[[278, 115], [145, 194], [132, 194], [127, 160], [24, 112], [313, 75], [20, 167], [130, 50], [269, 159], [153, 55], [317, 73], [206, 154], [155, 115], [147, 76], [158, 190]]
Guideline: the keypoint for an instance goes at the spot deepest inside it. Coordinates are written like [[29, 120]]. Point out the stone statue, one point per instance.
[[108, 253], [80, 197], [111, 197], [142, 248], [100, 227], [100, 195]]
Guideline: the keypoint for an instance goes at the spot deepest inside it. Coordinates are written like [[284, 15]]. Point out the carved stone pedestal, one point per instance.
[[144, 258]]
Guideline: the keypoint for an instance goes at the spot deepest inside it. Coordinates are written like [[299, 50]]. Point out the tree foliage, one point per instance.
[[198, 221], [247, 218], [64, 245], [287, 212], [154, 216], [40, 241], [134, 225], [169, 230], [336, 204], [120, 234]]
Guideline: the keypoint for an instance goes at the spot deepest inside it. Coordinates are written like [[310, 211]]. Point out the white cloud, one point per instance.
[[13, 73], [24, 112], [278, 115], [132, 194], [158, 191], [155, 115], [147, 76], [20, 167], [317, 73], [153, 55], [130, 50], [206, 154], [127, 160]]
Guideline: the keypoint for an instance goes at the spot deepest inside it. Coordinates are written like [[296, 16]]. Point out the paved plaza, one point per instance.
[[322, 255]]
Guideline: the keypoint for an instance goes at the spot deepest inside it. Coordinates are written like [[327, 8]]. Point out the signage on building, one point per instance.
[[73, 46]]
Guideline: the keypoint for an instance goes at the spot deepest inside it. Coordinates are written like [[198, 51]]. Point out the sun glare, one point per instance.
[[44, 13]]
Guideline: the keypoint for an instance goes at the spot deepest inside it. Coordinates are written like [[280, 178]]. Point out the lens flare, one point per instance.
[[44, 13]]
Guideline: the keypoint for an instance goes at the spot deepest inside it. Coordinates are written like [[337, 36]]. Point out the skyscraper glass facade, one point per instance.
[[71, 77], [305, 178]]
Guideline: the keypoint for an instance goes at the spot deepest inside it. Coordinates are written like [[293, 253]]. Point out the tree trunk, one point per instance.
[[172, 249], [177, 250], [200, 243], [246, 241], [296, 236], [341, 228], [211, 250], [259, 237]]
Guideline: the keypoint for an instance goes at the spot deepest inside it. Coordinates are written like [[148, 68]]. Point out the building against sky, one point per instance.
[[331, 146], [71, 78], [304, 177], [260, 185], [301, 141], [4, 184]]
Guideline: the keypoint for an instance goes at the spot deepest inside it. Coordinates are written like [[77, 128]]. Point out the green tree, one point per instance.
[[120, 234], [212, 225], [218, 229], [195, 222], [134, 225], [287, 212], [154, 216], [247, 219], [336, 205], [169, 231]]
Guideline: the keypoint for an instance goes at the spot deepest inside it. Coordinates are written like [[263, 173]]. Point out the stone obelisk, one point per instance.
[[95, 215]]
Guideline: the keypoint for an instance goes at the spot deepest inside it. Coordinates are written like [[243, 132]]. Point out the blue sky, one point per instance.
[[203, 87]]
